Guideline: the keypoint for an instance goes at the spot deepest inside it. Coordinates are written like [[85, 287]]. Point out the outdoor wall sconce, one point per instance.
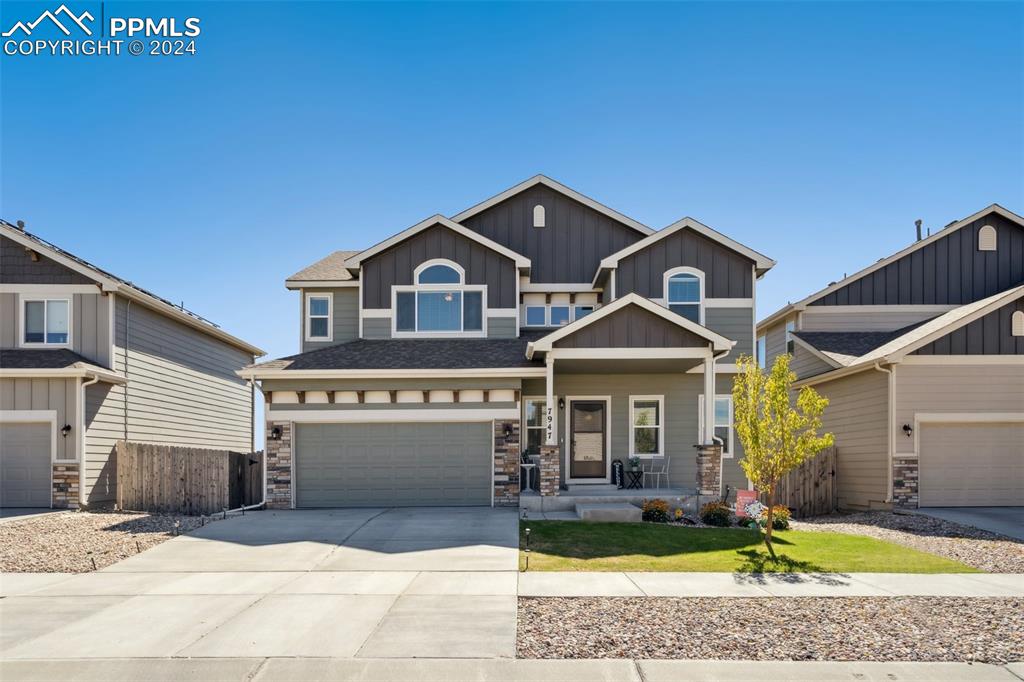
[[561, 403], [508, 430], [908, 430], [275, 433], [65, 430]]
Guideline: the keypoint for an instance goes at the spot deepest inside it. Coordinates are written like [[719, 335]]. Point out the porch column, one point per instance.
[[550, 462], [709, 399], [549, 403]]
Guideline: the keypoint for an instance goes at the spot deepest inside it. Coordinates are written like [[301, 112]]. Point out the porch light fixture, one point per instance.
[[508, 429], [275, 433], [65, 430], [561, 403], [908, 430]]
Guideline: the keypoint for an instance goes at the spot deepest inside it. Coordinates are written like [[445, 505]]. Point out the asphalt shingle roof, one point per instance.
[[414, 354], [36, 358], [852, 344], [330, 268]]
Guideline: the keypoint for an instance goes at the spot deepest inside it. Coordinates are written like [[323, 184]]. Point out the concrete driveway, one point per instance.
[[377, 583], [1008, 521]]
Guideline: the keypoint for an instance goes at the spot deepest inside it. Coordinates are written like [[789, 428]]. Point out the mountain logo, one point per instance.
[[78, 20]]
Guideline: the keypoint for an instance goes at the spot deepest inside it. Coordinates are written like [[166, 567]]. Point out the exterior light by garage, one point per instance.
[[65, 430], [275, 433], [908, 430]]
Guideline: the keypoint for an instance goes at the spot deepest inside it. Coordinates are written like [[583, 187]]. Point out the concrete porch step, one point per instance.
[[609, 511], [590, 488]]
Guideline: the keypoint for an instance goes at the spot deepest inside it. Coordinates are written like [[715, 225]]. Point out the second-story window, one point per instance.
[[790, 328], [684, 293], [318, 318], [47, 322], [439, 301], [761, 351]]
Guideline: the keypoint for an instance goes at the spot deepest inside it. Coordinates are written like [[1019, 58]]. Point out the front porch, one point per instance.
[[568, 503]]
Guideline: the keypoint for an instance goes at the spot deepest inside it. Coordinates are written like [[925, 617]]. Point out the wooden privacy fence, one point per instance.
[[177, 479], [810, 490]]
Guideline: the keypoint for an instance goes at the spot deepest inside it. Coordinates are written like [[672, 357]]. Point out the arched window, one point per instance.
[[1017, 323], [439, 302], [439, 273], [538, 216], [684, 293], [987, 238]]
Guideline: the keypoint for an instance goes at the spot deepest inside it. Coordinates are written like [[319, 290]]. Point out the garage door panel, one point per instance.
[[393, 464], [971, 464], [25, 469]]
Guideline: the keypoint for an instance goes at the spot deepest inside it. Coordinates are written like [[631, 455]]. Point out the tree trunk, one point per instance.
[[771, 519]]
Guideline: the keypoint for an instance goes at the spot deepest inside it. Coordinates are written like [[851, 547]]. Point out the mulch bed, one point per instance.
[[989, 630], [79, 542]]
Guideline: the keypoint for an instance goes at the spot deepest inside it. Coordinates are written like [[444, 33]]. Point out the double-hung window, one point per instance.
[[723, 422], [684, 293], [318, 317], [535, 416], [47, 321], [646, 426], [790, 328], [439, 301]]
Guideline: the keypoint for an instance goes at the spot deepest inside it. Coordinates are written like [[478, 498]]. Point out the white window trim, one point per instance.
[[661, 425], [330, 318], [23, 299], [417, 288], [547, 313], [524, 428], [439, 261], [988, 238], [789, 328], [732, 426], [686, 270]]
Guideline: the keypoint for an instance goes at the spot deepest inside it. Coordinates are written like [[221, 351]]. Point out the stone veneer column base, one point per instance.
[[904, 482], [65, 487], [550, 470], [506, 463], [709, 470], [279, 466]]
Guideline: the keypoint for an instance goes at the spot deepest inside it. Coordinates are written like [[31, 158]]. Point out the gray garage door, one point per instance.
[[373, 465], [971, 465], [25, 465]]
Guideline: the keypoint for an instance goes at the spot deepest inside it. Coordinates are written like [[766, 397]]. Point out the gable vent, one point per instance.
[[1017, 323], [987, 238], [538, 216]]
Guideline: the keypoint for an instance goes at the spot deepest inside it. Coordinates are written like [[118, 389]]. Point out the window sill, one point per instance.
[[439, 335]]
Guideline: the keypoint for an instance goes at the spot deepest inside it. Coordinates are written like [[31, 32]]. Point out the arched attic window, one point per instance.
[[987, 238], [1017, 323], [439, 272], [684, 293], [538, 216]]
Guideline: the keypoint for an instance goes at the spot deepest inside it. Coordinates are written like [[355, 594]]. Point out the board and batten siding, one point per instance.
[[344, 316], [991, 334], [682, 428], [396, 265], [568, 249], [950, 270], [736, 324], [90, 322], [60, 395], [954, 389], [857, 413], [632, 327], [727, 274]]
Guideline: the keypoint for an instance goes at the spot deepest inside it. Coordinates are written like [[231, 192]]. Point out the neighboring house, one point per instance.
[[539, 321], [921, 355], [87, 359]]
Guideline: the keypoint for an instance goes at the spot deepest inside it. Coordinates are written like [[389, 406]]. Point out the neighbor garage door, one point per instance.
[[410, 464], [971, 465], [25, 465]]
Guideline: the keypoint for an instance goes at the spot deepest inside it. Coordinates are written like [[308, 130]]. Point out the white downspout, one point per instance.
[[889, 430]]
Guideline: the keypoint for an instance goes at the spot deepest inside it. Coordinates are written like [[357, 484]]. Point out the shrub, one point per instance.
[[780, 518], [655, 511], [679, 514], [716, 514]]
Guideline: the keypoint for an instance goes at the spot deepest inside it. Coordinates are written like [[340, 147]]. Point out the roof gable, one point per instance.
[[328, 270]]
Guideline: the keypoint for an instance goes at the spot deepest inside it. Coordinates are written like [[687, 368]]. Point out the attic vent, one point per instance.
[[1017, 323], [987, 238], [538, 216]]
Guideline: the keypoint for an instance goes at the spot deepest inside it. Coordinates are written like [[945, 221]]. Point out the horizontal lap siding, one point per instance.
[[878, 320], [950, 270], [344, 314], [570, 246], [395, 266], [376, 328], [990, 334], [105, 422], [736, 324], [806, 364], [775, 342], [857, 414], [726, 273], [60, 395], [501, 327]]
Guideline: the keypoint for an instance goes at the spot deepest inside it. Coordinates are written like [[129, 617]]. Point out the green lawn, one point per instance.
[[577, 546]]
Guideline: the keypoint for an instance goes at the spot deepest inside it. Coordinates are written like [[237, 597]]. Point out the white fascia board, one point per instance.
[[545, 343], [629, 353], [295, 284], [762, 261], [817, 353], [387, 415], [799, 305], [63, 373], [520, 260], [485, 373], [556, 288], [561, 189]]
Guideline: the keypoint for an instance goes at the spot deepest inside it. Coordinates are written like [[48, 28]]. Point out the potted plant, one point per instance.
[[634, 464]]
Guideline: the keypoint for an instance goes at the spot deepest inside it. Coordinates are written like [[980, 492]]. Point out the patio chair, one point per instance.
[[657, 468], [528, 467]]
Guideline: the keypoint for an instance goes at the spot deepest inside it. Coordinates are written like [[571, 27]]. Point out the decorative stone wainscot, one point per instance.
[[279, 466], [506, 462], [904, 482], [709, 470], [550, 470], [65, 486]]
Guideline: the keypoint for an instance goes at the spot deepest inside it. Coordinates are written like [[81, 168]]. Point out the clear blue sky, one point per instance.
[[815, 133]]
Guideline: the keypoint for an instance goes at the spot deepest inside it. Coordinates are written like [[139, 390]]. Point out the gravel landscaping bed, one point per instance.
[[70, 542], [792, 628], [978, 548]]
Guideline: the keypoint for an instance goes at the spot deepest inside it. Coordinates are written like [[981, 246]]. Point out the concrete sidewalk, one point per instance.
[[614, 584], [496, 670]]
